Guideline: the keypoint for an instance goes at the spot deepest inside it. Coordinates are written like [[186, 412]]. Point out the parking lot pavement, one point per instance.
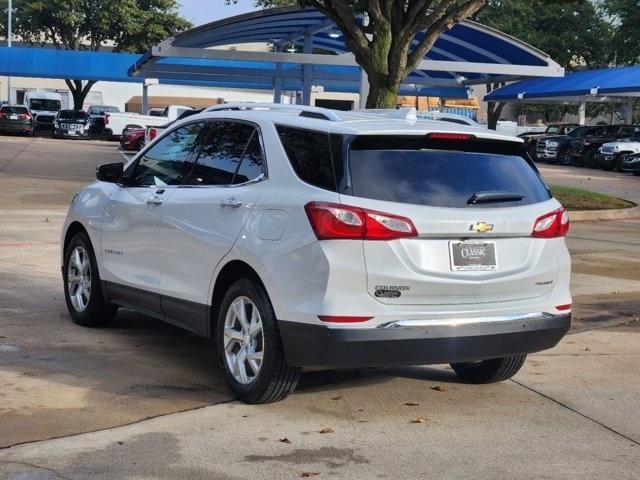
[[571, 413], [621, 185]]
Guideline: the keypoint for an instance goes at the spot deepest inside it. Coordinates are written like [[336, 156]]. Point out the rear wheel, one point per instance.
[[249, 345], [490, 371], [82, 286]]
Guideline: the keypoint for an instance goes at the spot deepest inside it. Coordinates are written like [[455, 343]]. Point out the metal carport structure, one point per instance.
[[468, 54], [613, 85]]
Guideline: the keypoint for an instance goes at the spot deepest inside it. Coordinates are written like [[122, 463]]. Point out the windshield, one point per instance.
[[72, 115], [40, 104], [441, 177], [552, 129]]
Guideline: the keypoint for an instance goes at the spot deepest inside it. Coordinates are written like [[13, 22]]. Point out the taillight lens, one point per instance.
[[106, 118], [3, 115], [552, 225], [332, 221], [25, 116], [450, 136], [152, 133]]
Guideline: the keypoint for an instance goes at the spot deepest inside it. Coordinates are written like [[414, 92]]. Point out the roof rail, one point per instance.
[[315, 112], [405, 113]]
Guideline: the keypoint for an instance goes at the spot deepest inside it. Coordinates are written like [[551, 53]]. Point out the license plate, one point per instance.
[[71, 132], [472, 256], [13, 117]]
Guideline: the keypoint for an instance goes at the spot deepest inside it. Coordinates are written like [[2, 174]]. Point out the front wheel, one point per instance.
[[489, 371], [82, 286], [249, 345]]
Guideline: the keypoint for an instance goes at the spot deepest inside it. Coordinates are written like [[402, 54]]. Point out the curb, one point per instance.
[[615, 214]]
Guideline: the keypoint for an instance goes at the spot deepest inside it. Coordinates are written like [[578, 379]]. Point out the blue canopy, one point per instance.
[[623, 81]]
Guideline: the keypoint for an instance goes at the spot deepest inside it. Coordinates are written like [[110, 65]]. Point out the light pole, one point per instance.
[[9, 45]]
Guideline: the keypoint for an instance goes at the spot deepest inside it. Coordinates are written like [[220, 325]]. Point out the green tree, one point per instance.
[[575, 33], [121, 26], [383, 46], [626, 16]]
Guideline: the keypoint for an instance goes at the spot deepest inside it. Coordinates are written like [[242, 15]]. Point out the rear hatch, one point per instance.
[[473, 203]]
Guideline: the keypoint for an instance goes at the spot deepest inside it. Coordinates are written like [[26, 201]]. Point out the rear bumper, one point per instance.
[[421, 342], [16, 126]]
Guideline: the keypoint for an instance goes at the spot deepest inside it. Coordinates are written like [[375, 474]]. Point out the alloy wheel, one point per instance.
[[243, 340], [79, 279]]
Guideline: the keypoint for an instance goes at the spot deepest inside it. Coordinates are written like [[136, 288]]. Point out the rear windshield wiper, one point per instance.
[[494, 197]]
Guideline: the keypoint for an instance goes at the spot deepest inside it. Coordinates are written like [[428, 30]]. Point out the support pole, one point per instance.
[[307, 71], [364, 89], [9, 29], [145, 99], [628, 111], [582, 113], [277, 81]]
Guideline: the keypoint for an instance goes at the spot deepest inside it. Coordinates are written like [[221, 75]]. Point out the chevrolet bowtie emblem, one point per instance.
[[481, 227]]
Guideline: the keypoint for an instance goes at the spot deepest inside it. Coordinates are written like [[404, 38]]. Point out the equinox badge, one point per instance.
[[481, 227]]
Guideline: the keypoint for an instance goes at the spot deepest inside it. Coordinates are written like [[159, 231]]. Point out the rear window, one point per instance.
[[415, 171], [17, 110]]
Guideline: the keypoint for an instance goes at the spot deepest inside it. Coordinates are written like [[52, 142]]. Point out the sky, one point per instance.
[[205, 11]]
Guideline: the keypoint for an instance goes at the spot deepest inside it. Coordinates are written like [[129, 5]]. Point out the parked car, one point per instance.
[[96, 117], [610, 155], [631, 164], [16, 119], [156, 112], [583, 150], [338, 241], [555, 149], [115, 123], [132, 139], [153, 132], [71, 124], [44, 106], [553, 129]]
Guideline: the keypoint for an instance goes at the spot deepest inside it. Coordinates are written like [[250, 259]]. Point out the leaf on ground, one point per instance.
[[418, 420], [47, 220], [284, 440], [587, 349], [327, 430], [337, 398], [440, 388], [412, 404], [309, 474]]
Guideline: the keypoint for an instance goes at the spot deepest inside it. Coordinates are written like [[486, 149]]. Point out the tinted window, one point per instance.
[[309, 153], [221, 153], [44, 105], [72, 115], [252, 165], [18, 110], [440, 177], [102, 109], [169, 160]]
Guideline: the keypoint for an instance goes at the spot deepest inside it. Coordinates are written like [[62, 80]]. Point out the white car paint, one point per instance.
[[178, 247], [117, 121]]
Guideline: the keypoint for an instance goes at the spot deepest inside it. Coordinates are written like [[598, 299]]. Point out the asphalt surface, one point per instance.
[[83, 403]]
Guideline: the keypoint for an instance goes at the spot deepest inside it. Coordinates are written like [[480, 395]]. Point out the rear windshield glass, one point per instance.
[[72, 115], [102, 109], [442, 177], [17, 110]]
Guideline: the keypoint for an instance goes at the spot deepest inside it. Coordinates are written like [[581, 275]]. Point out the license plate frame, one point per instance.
[[475, 260]]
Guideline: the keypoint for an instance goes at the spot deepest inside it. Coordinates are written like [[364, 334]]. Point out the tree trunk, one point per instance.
[[381, 95], [79, 92], [493, 114]]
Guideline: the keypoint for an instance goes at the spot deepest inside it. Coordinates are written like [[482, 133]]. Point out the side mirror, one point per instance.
[[110, 172]]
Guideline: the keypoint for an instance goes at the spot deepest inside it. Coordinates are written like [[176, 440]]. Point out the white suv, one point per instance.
[[302, 237]]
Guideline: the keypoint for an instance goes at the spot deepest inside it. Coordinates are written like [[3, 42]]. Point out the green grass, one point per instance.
[[580, 199]]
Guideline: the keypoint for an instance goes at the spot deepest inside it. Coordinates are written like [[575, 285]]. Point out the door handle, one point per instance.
[[154, 200], [231, 202]]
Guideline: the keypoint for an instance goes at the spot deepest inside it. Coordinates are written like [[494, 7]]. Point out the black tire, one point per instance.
[[275, 379], [98, 311], [563, 157], [589, 159], [489, 371]]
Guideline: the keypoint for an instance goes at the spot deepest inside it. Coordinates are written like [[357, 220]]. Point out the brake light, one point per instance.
[[450, 136], [563, 308], [332, 221], [106, 118], [552, 225], [342, 319], [25, 116], [153, 133], [3, 115]]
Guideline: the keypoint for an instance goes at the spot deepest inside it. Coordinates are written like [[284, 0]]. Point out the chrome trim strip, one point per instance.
[[453, 322]]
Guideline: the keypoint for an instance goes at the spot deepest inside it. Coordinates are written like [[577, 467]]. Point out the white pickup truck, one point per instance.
[[116, 123], [611, 155]]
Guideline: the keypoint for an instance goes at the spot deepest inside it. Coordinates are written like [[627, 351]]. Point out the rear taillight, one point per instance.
[[342, 319], [25, 116], [3, 115], [552, 225], [332, 221], [153, 133], [106, 118], [450, 136]]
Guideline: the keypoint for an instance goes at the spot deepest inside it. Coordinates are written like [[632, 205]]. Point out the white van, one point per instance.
[[44, 107]]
